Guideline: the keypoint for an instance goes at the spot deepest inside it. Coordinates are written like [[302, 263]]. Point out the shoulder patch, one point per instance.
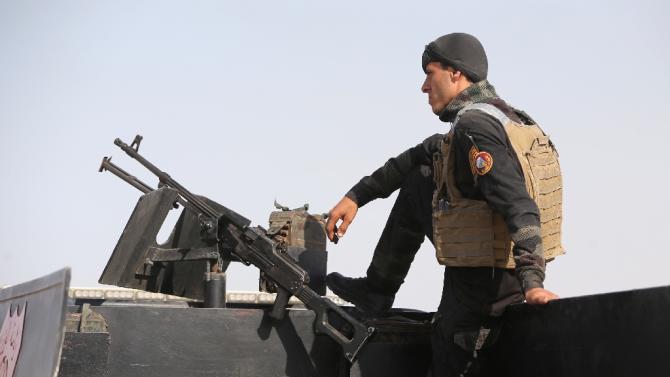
[[472, 157], [481, 163]]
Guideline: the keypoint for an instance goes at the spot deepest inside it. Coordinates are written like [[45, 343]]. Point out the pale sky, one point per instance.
[[245, 102]]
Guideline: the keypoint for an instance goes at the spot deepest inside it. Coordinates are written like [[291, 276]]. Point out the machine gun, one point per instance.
[[206, 238]]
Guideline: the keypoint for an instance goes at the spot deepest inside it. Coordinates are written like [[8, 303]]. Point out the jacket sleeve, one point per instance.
[[503, 187], [388, 178]]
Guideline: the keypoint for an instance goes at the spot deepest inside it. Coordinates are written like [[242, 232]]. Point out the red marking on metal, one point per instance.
[[11, 335]]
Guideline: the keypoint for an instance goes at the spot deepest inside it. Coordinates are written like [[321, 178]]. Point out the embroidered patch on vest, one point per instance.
[[481, 163]]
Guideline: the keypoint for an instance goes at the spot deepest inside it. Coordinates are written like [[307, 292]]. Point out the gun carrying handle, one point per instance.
[[281, 301]]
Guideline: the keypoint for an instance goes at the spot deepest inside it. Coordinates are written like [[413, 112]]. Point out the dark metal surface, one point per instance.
[[615, 334], [40, 321], [170, 342], [85, 355], [215, 290], [173, 342], [315, 262], [608, 335], [157, 254], [400, 348], [130, 254], [131, 263]]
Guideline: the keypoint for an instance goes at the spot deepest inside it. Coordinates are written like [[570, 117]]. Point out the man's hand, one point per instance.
[[539, 296], [345, 210]]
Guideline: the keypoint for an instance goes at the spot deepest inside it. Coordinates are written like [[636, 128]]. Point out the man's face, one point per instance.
[[440, 85]]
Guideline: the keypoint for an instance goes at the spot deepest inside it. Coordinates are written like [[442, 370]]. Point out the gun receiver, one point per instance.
[[234, 238]]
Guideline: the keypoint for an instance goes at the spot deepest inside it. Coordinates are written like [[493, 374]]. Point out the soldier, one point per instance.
[[487, 195]]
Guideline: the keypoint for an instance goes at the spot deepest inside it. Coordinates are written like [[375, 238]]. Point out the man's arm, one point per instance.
[[388, 178], [503, 187], [380, 184]]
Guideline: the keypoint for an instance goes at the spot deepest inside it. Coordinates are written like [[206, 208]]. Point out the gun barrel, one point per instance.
[[108, 165], [167, 180], [193, 200]]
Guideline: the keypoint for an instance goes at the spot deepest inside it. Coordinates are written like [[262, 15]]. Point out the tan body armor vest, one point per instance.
[[468, 233]]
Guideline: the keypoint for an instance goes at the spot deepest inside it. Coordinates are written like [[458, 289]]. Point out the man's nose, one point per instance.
[[425, 87]]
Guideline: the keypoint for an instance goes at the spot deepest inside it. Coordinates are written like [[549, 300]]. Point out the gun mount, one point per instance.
[[207, 237]]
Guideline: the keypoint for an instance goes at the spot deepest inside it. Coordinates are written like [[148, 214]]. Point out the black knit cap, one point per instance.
[[461, 51]]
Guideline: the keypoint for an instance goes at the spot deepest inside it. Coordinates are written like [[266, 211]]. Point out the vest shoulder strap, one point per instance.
[[486, 108]]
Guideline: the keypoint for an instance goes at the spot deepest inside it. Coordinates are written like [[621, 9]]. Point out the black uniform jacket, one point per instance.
[[503, 187]]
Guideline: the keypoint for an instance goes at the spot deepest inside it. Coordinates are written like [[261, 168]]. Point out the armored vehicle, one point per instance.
[[174, 316]]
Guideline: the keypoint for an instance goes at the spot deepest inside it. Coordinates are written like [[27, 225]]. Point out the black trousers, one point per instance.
[[468, 320]]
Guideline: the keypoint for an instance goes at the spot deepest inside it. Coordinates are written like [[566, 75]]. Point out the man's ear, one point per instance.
[[456, 76]]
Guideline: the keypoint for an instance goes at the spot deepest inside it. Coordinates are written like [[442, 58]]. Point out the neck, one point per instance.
[[462, 85]]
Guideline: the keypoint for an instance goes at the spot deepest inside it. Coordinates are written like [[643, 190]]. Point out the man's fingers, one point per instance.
[[331, 226], [345, 211], [540, 296], [343, 227]]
